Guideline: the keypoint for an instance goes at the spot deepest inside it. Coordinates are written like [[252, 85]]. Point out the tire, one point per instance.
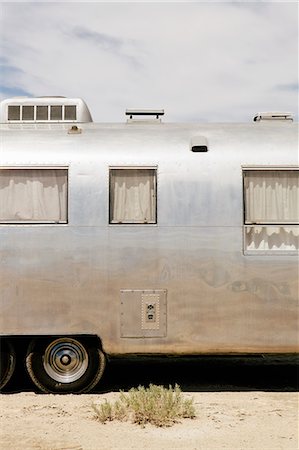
[[8, 361], [65, 365]]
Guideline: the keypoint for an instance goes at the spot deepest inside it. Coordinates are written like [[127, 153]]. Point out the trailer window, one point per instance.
[[271, 214], [33, 195], [133, 196]]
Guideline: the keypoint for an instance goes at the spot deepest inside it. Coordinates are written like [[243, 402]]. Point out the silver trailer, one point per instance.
[[143, 238]]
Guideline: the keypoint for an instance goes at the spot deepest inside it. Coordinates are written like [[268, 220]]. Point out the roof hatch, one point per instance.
[[44, 109]]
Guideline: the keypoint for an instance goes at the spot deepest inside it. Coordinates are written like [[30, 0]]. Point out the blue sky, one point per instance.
[[200, 61]]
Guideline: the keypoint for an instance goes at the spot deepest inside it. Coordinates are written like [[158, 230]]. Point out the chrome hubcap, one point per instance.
[[65, 360]]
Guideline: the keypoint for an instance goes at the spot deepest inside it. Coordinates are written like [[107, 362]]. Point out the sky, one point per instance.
[[199, 61]]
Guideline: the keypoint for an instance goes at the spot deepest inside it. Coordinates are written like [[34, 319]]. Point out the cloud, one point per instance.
[[7, 91], [3, 61], [106, 43], [103, 40], [9, 76], [292, 87], [6, 70], [217, 61]]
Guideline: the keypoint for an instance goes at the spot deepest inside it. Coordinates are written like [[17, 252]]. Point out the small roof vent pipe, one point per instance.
[[199, 144], [273, 116]]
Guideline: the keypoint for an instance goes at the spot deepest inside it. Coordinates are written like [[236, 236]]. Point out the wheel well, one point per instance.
[[65, 364], [22, 342], [25, 339]]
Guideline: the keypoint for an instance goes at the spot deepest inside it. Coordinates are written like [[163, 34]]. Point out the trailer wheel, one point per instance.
[[65, 365], [8, 361]]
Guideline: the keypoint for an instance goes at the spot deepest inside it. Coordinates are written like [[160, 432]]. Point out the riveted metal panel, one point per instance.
[[64, 279], [143, 313]]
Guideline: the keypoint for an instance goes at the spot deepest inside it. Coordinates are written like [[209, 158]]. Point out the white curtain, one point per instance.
[[272, 196], [272, 238], [132, 196], [33, 195]]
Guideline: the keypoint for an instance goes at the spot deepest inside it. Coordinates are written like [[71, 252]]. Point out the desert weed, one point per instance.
[[156, 405]]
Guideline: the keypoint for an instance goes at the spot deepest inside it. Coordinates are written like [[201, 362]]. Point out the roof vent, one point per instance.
[[44, 109], [199, 144], [144, 114], [273, 116]]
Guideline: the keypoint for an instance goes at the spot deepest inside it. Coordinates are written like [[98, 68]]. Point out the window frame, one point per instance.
[[246, 225], [154, 168], [40, 222]]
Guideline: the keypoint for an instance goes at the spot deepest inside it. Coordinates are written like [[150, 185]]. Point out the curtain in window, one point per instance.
[[132, 196], [272, 196], [272, 238], [33, 195]]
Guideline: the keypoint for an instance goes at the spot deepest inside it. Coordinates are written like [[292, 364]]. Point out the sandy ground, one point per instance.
[[225, 420]]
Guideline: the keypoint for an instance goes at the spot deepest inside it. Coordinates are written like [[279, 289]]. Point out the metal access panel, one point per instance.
[[143, 313]]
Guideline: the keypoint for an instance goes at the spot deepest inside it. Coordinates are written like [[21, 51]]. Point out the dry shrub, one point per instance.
[[156, 405]]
